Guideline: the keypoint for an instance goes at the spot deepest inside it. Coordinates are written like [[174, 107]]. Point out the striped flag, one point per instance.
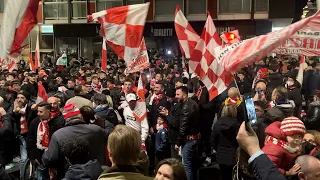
[[205, 65], [31, 63], [104, 56], [140, 112], [302, 66], [239, 55]]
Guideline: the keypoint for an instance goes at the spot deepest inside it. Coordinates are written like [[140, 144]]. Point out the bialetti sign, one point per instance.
[[165, 32]]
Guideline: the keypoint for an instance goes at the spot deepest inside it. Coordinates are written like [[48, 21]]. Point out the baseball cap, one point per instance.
[[131, 97]]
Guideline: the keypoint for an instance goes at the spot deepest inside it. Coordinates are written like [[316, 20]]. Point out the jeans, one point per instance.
[[190, 159], [23, 153]]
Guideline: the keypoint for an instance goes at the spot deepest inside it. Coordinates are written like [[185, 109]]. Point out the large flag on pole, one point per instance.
[[19, 17], [140, 112], [31, 63], [122, 27], [104, 56], [37, 55], [205, 65], [239, 55], [187, 36], [141, 60]]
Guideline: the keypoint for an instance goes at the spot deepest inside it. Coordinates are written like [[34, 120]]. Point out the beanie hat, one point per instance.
[[25, 94], [71, 112], [292, 125]]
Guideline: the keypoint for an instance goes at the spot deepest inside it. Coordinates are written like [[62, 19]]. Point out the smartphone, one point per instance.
[[250, 110], [259, 93]]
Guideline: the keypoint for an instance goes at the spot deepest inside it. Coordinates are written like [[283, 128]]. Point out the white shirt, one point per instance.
[[131, 121]]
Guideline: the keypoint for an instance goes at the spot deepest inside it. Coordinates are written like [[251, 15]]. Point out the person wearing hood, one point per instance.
[[103, 111], [282, 145], [312, 119], [223, 140], [76, 151]]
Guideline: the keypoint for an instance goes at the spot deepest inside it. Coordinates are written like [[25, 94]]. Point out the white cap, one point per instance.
[[131, 97]]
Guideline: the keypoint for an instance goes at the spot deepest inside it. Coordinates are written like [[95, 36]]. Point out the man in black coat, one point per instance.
[[31, 86], [40, 132], [6, 140], [74, 127], [189, 132], [21, 117]]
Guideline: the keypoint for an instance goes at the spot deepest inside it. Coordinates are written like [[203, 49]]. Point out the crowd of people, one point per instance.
[[86, 125]]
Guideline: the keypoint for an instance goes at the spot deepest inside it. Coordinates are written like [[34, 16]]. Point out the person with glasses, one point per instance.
[[283, 144]]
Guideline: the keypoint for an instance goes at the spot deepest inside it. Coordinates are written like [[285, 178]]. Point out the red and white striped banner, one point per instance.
[[141, 61], [244, 53], [104, 56], [122, 27]]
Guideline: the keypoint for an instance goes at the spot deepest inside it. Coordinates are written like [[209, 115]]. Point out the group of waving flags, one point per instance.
[[212, 60]]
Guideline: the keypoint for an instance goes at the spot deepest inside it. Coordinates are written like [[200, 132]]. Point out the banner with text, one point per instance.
[[141, 61]]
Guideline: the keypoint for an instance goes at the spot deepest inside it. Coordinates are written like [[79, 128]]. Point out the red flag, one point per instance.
[[123, 28], [19, 17], [42, 94], [205, 65], [31, 63], [104, 56]]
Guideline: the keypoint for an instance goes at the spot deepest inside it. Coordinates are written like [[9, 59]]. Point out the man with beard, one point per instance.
[[189, 132], [41, 129], [21, 116], [31, 86]]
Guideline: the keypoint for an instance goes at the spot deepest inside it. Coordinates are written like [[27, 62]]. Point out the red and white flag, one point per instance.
[[205, 65], [239, 55], [104, 56], [31, 63], [19, 17], [122, 27], [187, 36], [303, 65], [37, 55], [10, 63], [140, 112], [141, 61], [231, 37], [42, 94]]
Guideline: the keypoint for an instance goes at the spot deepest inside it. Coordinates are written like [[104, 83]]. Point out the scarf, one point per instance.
[[199, 92], [157, 98], [159, 127], [281, 144], [23, 121], [234, 101], [54, 114], [43, 135]]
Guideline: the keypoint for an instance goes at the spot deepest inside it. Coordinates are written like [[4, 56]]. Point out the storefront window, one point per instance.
[[167, 7], [130, 2], [197, 6], [79, 9], [55, 9], [46, 41], [234, 6], [261, 5], [107, 4]]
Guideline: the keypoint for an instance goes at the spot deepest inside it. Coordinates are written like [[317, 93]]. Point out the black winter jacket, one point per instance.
[[89, 171], [312, 119], [54, 124], [154, 111], [107, 114], [6, 141], [53, 158], [223, 140], [189, 121], [15, 118], [311, 83], [174, 123]]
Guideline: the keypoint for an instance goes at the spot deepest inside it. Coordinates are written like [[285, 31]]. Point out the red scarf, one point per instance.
[[281, 144], [157, 98], [43, 135], [199, 92]]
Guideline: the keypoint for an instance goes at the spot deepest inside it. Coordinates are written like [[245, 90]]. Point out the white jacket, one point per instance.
[[131, 121]]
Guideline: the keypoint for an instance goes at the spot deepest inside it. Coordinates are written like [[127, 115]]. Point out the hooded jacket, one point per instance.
[[283, 159], [312, 119], [89, 171], [223, 140]]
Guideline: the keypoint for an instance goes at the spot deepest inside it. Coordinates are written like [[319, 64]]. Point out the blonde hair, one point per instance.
[[229, 110], [1, 101], [124, 145], [109, 101]]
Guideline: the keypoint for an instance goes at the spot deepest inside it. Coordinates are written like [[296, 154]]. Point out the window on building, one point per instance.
[[130, 2], [261, 5], [107, 4], [197, 6], [167, 7], [1, 6], [55, 9], [79, 9], [234, 6]]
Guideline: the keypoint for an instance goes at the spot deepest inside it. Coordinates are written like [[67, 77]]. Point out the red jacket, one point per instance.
[[282, 159]]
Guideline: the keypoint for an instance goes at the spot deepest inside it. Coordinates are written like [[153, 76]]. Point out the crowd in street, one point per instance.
[[77, 122]]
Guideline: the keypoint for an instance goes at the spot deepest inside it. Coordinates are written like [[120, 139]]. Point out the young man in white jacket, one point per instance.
[[141, 126]]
